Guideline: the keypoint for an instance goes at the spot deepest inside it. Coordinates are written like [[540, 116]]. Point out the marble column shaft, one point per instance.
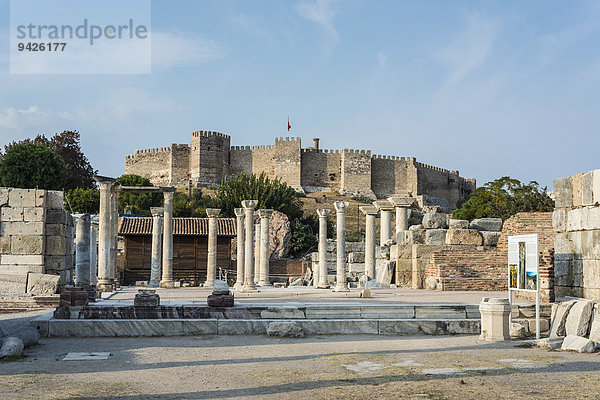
[[340, 284], [370, 229], [114, 226], [264, 246], [104, 234], [249, 206], [211, 263], [93, 255], [155, 265], [167, 255], [239, 214], [257, 270], [82, 250], [322, 275]]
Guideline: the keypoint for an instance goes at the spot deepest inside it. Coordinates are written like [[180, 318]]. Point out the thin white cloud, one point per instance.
[[470, 48], [180, 50], [13, 118], [322, 13]]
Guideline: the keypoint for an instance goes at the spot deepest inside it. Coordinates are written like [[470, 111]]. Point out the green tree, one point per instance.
[[140, 202], [29, 166], [194, 205], [503, 198], [270, 193], [83, 200]]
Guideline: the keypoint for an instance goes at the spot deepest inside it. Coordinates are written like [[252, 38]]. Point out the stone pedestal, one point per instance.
[[322, 275], [249, 286], [167, 256], [155, 265], [370, 227], [264, 246], [82, 251], [221, 296], [340, 284], [495, 319], [239, 214], [211, 264], [146, 298], [74, 296]]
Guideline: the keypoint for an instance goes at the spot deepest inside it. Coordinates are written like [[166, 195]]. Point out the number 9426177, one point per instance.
[[33, 46]]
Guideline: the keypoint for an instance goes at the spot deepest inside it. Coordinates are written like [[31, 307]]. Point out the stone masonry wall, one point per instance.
[[576, 220], [320, 170], [36, 236], [356, 173], [209, 157], [154, 164]]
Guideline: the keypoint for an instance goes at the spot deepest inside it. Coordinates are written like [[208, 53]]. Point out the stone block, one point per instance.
[[220, 300], [591, 274], [577, 198], [339, 327], [587, 189], [55, 229], [242, 327], [574, 220], [5, 244], [458, 224], [578, 344], [595, 329], [487, 224], [592, 219], [490, 238], [21, 259], [517, 330], [55, 216], [332, 312], [464, 236], [440, 312], [579, 318], [436, 236], [544, 325], [596, 185], [12, 214], [13, 283], [21, 198], [285, 329], [416, 236], [356, 257], [559, 220], [21, 228], [429, 327], [56, 246], [42, 283], [55, 200], [495, 319], [40, 198], [387, 312], [58, 263], [4, 191], [33, 245], [434, 221], [34, 214], [563, 192], [282, 312]]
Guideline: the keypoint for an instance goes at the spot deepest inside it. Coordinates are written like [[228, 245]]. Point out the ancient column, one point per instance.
[[104, 239], [386, 220], [340, 284], [249, 285], [211, 264], [402, 205], [239, 214], [322, 283], [93, 256], [114, 231], [155, 265], [370, 215], [82, 251], [167, 255], [256, 253], [265, 246]]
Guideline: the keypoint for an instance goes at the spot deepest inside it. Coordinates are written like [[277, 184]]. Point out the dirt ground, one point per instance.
[[316, 367]]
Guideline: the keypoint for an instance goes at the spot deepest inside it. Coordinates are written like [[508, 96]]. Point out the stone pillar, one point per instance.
[[370, 215], [249, 285], [265, 246], [114, 226], [93, 256], [340, 284], [495, 319], [239, 214], [167, 255], [211, 264], [322, 283], [82, 251], [155, 266], [104, 239], [257, 270], [386, 220], [402, 205]]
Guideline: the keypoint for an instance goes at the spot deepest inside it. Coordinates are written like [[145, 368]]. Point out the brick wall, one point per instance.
[[488, 269]]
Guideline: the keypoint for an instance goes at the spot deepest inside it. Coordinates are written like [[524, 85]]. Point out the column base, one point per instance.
[[238, 285], [209, 284], [153, 284], [342, 287], [167, 284], [248, 289], [322, 286], [104, 286], [264, 284]]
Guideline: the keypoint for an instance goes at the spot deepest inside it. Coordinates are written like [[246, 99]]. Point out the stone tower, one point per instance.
[[209, 158]]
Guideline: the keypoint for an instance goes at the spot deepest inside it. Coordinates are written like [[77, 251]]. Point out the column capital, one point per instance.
[[383, 205], [213, 212], [322, 212], [402, 201], [369, 210], [239, 212], [265, 213], [340, 206], [249, 204], [157, 211]]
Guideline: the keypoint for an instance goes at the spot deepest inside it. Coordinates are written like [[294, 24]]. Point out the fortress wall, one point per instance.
[[321, 169], [356, 172], [383, 175], [263, 160], [180, 164], [441, 183], [406, 176], [209, 162], [286, 160], [240, 160], [154, 164]]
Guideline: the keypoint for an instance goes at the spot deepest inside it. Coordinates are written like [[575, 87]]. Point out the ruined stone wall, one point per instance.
[[36, 238], [209, 157], [576, 220], [442, 187], [320, 170], [393, 175], [180, 165], [356, 173], [154, 164]]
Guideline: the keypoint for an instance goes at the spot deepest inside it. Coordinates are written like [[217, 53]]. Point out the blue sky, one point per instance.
[[490, 88]]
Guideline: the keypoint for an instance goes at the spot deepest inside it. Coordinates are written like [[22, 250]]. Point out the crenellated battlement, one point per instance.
[[209, 134], [287, 139], [355, 151]]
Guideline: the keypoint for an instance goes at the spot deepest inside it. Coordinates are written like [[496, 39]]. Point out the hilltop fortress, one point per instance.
[[210, 158]]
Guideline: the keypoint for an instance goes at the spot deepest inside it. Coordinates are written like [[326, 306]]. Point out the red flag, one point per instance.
[[289, 126]]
